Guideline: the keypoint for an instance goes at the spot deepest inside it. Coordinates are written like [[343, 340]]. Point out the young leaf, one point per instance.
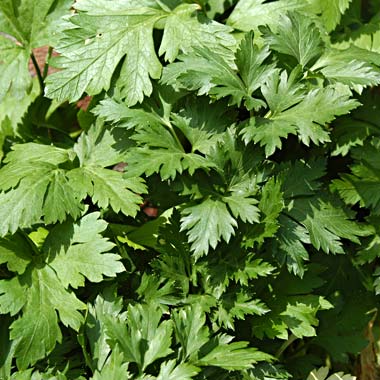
[[142, 338], [206, 224], [190, 330], [183, 371], [297, 36]]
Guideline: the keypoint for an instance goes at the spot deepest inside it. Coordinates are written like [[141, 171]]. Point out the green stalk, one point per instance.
[[38, 71], [46, 67]]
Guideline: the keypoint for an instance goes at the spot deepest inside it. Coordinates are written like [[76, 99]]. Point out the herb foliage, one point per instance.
[[251, 127]]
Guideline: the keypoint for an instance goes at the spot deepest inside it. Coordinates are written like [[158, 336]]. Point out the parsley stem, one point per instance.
[[172, 131], [46, 67], [38, 71], [285, 345], [268, 114]]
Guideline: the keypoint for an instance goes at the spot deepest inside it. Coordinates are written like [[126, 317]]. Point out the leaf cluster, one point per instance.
[[214, 211]]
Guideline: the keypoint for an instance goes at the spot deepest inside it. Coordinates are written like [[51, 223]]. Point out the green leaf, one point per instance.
[[243, 207], [93, 47], [36, 331], [233, 356], [35, 187], [349, 68], [249, 14], [32, 22], [101, 146], [183, 371], [14, 78], [267, 132], [327, 224], [206, 71], [70, 253], [98, 46], [361, 186], [282, 91], [13, 296], [14, 252], [322, 374], [108, 188], [289, 245], [206, 224], [183, 31], [114, 368], [105, 305], [331, 12], [160, 151], [190, 330], [296, 36], [74, 263], [142, 337], [25, 24]]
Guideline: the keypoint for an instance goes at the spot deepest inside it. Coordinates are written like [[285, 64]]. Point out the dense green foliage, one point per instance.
[[252, 127]]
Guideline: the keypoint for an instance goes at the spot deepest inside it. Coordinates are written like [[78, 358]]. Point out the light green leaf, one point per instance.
[[322, 373], [348, 67], [35, 187], [108, 188], [90, 53], [142, 337], [291, 111], [318, 107], [94, 46], [206, 224], [105, 305], [36, 331], [362, 184], [101, 146], [115, 368], [267, 132], [161, 152], [24, 25], [183, 371], [207, 71], [249, 14], [32, 22], [331, 11], [74, 262], [243, 207], [13, 296], [327, 224], [183, 31], [15, 252], [69, 253], [297, 36], [282, 91], [190, 330], [14, 75], [233, 356]]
